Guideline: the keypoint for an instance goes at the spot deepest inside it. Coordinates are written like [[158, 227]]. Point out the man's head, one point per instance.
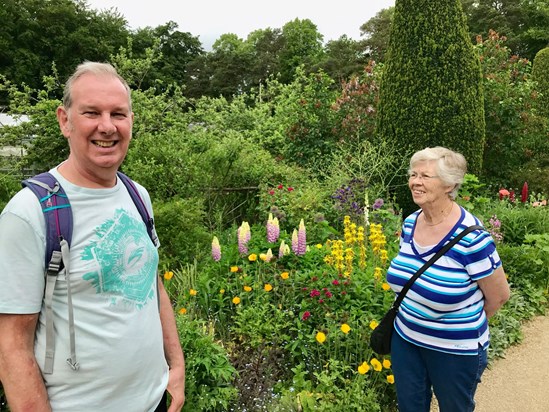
[[97, 120], [97, 69]]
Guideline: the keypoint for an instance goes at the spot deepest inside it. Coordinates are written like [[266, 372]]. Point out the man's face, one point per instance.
[[98, 125]]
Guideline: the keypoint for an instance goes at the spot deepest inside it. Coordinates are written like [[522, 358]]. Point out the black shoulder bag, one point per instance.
[[380, 339]]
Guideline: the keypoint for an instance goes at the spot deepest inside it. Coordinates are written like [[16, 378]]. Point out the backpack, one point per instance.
[[59, 224]]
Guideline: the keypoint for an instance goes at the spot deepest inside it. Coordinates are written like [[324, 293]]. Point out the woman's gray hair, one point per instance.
[[98, 69], [451, 166]]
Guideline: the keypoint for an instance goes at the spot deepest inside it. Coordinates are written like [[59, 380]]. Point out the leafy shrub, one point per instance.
[[10, 184], [208, 371], [180, 228], [294, 314]]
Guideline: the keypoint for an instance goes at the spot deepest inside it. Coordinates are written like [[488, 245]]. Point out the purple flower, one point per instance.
[[244, 235], [216, 249], [377, 204], [273, 229]]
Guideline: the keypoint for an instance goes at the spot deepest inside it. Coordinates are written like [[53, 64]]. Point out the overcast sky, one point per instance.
[[208, 19]]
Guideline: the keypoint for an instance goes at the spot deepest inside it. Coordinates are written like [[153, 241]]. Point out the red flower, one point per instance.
[[320, 300], [280, 187], [271, 192], [328, 294], [335, 282], [524, 193], [306, 315], [314, 293], [503, 193], [290, 189]]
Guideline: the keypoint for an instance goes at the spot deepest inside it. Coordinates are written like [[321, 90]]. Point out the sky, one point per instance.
[[208, 19]]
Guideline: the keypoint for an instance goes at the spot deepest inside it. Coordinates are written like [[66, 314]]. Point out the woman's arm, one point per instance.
[[496, 291]]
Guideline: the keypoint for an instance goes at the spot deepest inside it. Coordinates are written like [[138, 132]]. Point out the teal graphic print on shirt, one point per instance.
[[125, 260]]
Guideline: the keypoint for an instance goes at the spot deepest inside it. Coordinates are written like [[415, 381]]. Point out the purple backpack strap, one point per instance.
[[141, 207], [56, 208]]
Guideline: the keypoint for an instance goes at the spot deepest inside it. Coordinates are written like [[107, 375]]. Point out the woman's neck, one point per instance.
[[436, 215]]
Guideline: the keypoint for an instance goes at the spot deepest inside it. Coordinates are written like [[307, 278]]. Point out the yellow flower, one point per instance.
[[385, 286], [373, 324], [168, 275], [268, 287], [376, 364], [321, 337], [182, 311], [284, 275], [263, 257], [193, 292], [247, 288], [319, 245], [362, 369], [252, 257], [236, 300], [222, 291], [377, 273], [345, 328], [391, 379], [386, 363], [234, 269]]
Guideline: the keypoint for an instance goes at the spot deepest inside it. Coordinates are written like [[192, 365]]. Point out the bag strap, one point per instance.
[[441, 252], [58, 217], [140, 205]]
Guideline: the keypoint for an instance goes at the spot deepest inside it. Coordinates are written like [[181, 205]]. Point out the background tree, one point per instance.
[[525, 23], [178, 49], [430, 93], [302, 46], [343, 58], [540, 72], [36, 33], [376, 32], [516, 135]]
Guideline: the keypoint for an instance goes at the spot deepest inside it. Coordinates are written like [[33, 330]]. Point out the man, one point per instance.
[[127, 343]]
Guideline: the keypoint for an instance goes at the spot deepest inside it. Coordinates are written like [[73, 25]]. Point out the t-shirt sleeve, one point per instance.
[[22, 250], [482, 257]]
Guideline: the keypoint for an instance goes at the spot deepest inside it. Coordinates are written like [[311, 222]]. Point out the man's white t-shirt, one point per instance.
[[113, 266]]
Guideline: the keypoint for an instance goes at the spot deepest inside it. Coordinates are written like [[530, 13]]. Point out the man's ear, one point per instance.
[[63, 120]]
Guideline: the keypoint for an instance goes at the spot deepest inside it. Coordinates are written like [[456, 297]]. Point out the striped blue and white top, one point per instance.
[[444, 308]]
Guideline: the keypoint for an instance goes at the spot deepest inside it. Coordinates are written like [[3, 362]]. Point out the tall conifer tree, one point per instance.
[[431, 90]]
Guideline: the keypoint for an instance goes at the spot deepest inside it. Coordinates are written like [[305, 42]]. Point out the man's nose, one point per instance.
[[106, 124]]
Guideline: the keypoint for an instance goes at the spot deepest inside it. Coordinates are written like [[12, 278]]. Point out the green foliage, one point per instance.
[[271, 312], [525, 23], [180, 228], [518, 221], [472, 193], [311, 138], [431, 90], [9, 185], [540, 73], [516, 136], [208, 371], [338, 389]]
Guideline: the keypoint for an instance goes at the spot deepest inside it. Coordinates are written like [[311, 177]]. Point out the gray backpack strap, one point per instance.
[[51, 277], [66, 260]]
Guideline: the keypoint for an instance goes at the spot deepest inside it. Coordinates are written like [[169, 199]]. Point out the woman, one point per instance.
[[442, 325]]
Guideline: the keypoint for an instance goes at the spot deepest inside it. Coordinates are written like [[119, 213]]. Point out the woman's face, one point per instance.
[[426, 186]]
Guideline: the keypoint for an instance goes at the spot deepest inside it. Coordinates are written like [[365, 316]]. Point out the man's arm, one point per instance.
[[172, 350], [19, 372]]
